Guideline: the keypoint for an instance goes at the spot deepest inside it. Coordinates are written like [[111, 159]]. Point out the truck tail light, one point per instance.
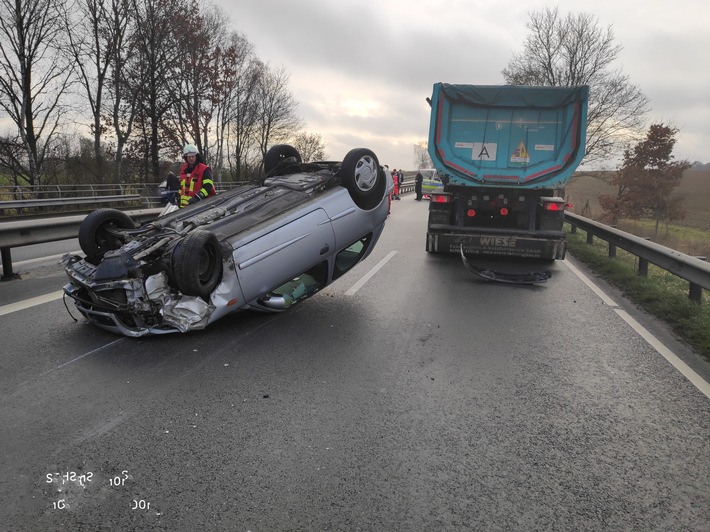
[[441, 198], [553, 206], [471, 213], [504, 211]]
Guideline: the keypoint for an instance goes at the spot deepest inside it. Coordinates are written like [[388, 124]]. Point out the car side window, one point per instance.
[[351, 255], [302, 286]]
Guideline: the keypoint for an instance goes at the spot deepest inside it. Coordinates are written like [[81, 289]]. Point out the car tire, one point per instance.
[[278, 154], [197, 264], [362, 175], [94, 236]]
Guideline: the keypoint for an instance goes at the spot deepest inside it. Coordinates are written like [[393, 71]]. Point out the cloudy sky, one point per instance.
[[361, 69]]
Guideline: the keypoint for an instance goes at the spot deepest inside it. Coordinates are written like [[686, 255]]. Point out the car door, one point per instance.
[[283, 253]]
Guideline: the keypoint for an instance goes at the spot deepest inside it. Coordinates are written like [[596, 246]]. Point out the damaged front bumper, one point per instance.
[[136, 306]]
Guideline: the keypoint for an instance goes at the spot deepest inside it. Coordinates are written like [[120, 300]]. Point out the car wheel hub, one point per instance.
[[366, 173]]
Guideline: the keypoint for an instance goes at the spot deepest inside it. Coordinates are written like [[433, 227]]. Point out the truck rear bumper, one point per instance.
[[498, 244]]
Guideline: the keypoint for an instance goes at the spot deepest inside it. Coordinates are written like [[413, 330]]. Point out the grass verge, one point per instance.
[[661, 294], [688, 240]]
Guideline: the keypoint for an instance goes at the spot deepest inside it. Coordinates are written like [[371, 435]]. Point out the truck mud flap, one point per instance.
[[503, 277]]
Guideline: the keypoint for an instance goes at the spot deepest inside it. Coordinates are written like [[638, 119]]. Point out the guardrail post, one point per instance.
[[695, 294], [612, 247], [643, 267], [7, 272], [643, 263], [590, 238], [573, 229]]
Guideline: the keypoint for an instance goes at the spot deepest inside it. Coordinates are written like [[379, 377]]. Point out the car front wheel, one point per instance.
[[197, 264]]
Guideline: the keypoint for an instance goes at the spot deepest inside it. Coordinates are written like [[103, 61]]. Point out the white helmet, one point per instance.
[[189, 149]]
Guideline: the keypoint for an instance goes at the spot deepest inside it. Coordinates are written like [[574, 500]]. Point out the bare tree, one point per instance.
[[33, 80], [241, 105], [575, 50], [93, 33], [237, 72], [194, 85], [152, 74], [207, 84], [421, 156], [310, 146], [124, 80], [158, 24], [277, 117]]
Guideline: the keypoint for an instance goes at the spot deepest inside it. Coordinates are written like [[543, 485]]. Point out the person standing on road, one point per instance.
[[418, 182], [195, 177], [388, 179], [395, 177]]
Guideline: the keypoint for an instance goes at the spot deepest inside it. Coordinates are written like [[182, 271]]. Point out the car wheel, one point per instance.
[[95, 236], [278, 154], [197, 264], [363, 177]]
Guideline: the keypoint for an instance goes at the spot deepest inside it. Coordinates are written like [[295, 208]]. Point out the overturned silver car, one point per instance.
[[264, 246]]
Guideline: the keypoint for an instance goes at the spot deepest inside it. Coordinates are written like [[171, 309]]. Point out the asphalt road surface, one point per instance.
[[422, 399]]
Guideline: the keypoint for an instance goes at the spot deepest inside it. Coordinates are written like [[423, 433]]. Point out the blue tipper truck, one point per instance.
[[504, 153]]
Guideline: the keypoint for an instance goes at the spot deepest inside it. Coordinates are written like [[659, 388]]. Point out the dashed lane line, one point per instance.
[[357, 286]]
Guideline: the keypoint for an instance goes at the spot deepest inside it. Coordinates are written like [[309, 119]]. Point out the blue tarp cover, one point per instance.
[[505, 135]]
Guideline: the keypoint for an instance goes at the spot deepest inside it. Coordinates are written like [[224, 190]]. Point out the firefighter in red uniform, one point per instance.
[[195, 177], [395, 176]]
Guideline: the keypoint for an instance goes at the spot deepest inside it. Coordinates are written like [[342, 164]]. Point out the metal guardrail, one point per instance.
[[29, 197], [25, 199], [55, 202], [692, 269], [39, 231], [21, 192]]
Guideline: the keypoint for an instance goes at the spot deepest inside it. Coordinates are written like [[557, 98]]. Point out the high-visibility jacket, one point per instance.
[[194, 182]]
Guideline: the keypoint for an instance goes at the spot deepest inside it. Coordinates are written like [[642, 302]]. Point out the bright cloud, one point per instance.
[[361, 69]]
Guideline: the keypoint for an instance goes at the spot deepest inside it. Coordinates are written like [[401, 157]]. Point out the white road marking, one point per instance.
[[84, 355], [45, 259], [357, 286], [654, 342], [39, 300], [677, 363], [591, 285], [100, 348], [32, 302]]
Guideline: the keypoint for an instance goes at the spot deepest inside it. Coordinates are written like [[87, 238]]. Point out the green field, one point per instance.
[[694, 188]]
